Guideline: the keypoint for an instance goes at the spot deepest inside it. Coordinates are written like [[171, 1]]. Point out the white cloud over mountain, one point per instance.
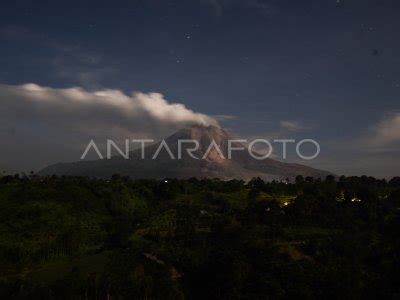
[[56, 124]]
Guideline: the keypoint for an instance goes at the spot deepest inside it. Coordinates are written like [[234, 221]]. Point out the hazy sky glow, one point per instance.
[[322, 69]]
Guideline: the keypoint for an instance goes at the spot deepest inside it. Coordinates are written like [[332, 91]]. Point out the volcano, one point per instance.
[[241, 165]]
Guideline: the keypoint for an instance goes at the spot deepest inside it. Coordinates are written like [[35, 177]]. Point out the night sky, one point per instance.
[[322, 69]]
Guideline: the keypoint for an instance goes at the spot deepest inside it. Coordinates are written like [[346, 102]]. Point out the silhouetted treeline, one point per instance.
[[82, 238]]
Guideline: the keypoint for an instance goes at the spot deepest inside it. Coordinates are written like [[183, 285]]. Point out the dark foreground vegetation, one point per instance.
[[79, 238]]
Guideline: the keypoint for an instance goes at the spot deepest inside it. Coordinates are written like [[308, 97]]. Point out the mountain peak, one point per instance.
[[201, 133]]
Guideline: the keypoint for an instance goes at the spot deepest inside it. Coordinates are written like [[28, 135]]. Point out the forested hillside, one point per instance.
[[80, 238]]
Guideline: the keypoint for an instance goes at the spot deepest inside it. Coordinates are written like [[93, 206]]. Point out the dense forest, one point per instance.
[[82, 238]]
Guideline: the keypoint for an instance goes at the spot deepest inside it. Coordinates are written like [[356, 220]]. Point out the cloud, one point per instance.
[[386, 132], [43, 125], [293, 126], [225, 117]]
